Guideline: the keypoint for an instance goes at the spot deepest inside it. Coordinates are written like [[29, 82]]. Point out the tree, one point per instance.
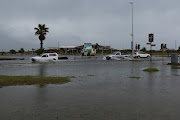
[[41, 32], [39, 51], [21, 51], [12, 51], [144, 49]]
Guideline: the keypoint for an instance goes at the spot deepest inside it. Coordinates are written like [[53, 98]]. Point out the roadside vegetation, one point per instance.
[[11, 58], [31, 80], [175, 67], [151, 70], [21, 51], [12, 51], [90, 75], [134, 77], [176, 64]]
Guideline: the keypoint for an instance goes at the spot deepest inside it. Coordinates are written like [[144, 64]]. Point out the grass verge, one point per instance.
[[175, 67], [90, 75], [133, 77], [31, 80], [151, 70], [175, 74], [178, 64], [11, 58]]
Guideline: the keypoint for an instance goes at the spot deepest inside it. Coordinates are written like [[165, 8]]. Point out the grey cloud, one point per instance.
[[73, 22]]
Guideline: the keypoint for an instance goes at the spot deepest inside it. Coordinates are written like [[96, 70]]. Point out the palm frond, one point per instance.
[[36, 28], [40, 26], [46, 30], [41, 30]]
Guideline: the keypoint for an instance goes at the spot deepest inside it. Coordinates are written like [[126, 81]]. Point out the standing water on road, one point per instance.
[[101, 90]]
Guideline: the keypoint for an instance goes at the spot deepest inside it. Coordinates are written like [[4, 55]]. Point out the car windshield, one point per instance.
[[115, 53], [142, 53]]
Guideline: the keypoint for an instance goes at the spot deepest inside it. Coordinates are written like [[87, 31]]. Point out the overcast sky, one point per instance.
[[75, 22]]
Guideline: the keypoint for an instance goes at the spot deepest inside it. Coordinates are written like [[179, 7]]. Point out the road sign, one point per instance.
[[131, 44]]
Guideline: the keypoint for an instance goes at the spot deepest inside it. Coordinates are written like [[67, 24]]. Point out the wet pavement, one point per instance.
[[102, 90]]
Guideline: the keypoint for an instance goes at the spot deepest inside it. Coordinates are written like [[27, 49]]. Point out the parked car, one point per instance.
[[141, 54], [45, 57], [117, 56]]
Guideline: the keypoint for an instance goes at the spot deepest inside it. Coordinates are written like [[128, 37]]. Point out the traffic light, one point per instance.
[[151, 37], [162, 46], [138, 46]]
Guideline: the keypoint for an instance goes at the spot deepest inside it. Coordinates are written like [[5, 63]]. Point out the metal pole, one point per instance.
[[132, 31], [163, 54], [136, 52], [151, 53], [58, 48]]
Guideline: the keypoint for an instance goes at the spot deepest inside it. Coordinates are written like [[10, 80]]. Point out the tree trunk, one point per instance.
[[41, 44]]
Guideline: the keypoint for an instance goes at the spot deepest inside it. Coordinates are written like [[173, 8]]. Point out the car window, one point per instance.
[[52, 55], [44, 55], [142, 53]]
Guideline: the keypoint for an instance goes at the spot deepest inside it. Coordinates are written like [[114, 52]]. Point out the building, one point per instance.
[[77, 49]]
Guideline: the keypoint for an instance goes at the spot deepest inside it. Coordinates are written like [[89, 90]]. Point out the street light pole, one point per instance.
[[132, 34]]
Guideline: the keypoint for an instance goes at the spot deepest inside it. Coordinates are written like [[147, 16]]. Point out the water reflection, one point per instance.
[[134, 69], [174, 70], [42, 70], [42, 73]]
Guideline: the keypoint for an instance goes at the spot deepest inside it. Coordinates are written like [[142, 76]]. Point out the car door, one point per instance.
[[44, 58]]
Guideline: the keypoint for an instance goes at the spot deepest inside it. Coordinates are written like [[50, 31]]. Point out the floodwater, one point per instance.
[[102, 90]]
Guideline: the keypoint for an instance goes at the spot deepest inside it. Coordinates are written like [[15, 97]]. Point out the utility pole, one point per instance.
[[132, 34]]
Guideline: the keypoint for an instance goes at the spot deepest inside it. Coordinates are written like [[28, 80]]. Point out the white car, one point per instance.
[[141, 55], [117, 56], [45, 57]]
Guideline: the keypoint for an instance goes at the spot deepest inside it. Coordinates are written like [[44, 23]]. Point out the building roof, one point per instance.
[[67, 47]]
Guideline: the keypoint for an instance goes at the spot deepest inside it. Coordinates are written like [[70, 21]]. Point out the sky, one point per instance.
[[75, 22]]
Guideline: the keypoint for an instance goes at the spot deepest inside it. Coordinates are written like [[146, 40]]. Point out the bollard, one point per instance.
[[174, 58]]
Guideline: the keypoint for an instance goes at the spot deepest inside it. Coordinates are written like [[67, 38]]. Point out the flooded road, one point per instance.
[[101, 90]]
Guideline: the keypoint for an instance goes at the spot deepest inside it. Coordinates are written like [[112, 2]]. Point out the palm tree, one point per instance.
[[41, 32]]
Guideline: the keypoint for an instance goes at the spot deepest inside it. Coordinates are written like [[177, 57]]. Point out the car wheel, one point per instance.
[[33, 60], [108, 58]]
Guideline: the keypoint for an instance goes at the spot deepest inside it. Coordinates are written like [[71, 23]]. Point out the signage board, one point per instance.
[[88, 46], [131, 44]]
